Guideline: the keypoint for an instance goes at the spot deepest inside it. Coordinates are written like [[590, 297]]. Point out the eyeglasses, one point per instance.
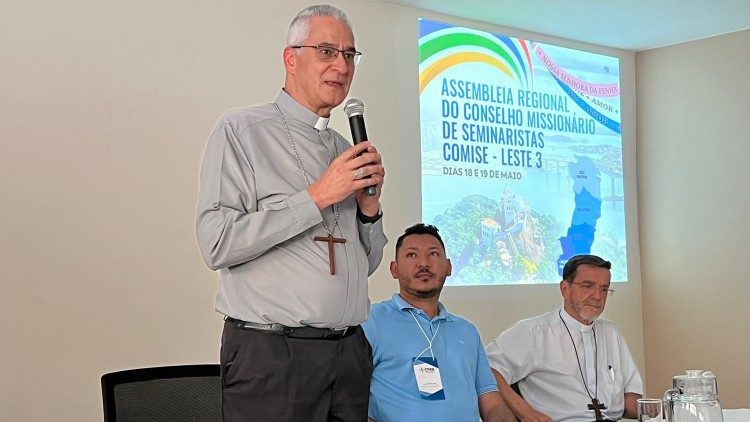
[[326, 53], [590, 287]]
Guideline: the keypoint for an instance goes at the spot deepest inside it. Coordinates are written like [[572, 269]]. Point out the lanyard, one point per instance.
[[429, 340], [578, 360]]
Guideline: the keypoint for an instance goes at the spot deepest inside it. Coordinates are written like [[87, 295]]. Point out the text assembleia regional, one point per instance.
[[468, 90]]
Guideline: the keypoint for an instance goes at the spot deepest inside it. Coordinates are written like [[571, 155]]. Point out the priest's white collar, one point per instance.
[[293, 109], [322, 123], [574, 324]]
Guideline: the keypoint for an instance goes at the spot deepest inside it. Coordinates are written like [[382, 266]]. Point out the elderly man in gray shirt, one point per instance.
[[283, 216]]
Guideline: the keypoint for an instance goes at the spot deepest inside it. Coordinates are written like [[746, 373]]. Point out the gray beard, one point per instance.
[[589, 315]]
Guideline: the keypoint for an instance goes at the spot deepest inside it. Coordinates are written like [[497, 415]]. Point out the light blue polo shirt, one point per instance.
[[396, 340]]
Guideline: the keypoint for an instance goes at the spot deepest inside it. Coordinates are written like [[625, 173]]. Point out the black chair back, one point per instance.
[[187, 393]]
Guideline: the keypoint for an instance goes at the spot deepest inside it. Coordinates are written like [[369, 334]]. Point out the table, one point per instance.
[[730, 415]]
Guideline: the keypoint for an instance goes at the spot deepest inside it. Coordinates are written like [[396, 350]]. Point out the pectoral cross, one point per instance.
[[597, 408], [331, 256]]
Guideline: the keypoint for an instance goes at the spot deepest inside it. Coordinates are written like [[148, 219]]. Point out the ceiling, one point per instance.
[[626, 24]]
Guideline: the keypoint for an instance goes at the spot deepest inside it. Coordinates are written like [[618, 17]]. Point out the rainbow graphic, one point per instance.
[[442, 46]]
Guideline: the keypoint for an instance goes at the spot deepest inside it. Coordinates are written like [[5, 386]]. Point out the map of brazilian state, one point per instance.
[[588, 206]]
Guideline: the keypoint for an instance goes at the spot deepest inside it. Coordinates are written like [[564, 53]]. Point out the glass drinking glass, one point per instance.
[[649, 410]]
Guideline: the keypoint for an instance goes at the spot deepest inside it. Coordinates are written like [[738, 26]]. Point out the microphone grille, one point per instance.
[[354, 107]]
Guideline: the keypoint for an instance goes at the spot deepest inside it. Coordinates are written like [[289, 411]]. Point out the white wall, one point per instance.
[[106, 107], [694, 188]]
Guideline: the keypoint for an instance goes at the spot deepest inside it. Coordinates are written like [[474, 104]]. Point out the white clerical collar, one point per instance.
[[293, 109], [574, 323], [322, 123]]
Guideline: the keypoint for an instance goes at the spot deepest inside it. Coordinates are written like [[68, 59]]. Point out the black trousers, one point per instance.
[[267, 377]]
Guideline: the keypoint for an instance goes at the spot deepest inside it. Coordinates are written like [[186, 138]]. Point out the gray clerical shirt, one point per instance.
[[256, 222]]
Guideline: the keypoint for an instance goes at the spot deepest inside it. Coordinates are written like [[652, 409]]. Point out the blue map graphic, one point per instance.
[[588, 207]]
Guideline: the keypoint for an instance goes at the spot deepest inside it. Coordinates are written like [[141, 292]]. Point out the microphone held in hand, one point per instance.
[[355, 109]]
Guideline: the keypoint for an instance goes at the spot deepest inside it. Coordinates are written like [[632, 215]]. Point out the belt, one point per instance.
[[294, 332]]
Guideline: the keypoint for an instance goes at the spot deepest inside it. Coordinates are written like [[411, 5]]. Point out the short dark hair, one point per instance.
[[571, 267], [419, 228]]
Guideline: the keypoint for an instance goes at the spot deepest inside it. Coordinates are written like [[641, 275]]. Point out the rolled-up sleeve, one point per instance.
[[230, 227]]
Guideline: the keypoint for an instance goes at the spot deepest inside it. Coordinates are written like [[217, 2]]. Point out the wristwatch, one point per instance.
[[365, 219]]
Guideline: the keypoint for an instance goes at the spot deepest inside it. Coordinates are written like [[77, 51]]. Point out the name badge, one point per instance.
[[427, 373]]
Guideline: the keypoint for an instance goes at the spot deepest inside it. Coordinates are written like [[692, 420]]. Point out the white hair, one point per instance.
[[299, 29]]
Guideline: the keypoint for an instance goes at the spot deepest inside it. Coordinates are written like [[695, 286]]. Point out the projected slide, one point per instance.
[[521, 155]]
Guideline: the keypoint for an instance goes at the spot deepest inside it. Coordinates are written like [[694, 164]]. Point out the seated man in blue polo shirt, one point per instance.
[[428, 364]]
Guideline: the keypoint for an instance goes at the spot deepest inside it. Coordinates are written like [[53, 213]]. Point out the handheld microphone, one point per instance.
[[355, 109]]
